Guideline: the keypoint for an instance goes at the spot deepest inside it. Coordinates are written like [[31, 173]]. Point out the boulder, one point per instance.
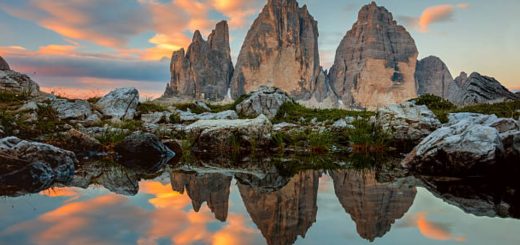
[[192, 117], [18, 83], [61, 162], [120, 103], [375, 62], [78, 109], [463, 148], [266, 101], [156, 117], [143, 150], [79, 142], [408, 121], [280, 50], [221, 135], [205, 70]]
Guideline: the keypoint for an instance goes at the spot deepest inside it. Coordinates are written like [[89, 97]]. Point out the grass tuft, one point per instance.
[[293, 112]]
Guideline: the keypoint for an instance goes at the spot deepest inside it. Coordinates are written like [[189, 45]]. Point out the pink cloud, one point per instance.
[[434, 14]]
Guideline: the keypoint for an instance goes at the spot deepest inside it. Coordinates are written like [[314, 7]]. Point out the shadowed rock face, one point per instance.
[[434, 77], [204, 71], [478, 89], [3, 65], [280, 50], [210, 188], [372, 205], [375, 62], [284, 214]]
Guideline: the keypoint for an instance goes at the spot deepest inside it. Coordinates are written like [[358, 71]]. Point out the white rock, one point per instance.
[[458, 149], [266, 100], [191, 117], [78, 109], [120, 103], [156, 117], [408, 121], [214, 133]]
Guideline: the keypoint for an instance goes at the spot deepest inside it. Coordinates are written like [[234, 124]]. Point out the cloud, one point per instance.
[[93, 20], [433, 230], [238, 11], [433, 14]]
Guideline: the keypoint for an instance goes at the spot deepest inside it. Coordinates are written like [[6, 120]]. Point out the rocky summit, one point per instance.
[[3, 65], [434, 77], [15, 82], [280, 50], [204, 71], [375, 62], [478, 89]]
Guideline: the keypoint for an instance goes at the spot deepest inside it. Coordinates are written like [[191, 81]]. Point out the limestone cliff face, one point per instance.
[[372, 205], [434, 77], [210, 188], [284, 214], [205, 70], [280, 50], [3, 65], [375, 62], [478, 89]]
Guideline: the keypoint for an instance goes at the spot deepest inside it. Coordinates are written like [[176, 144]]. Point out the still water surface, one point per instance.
[[312, 207]]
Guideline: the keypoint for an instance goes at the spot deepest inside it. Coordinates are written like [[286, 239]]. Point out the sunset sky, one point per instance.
[[87, 47]]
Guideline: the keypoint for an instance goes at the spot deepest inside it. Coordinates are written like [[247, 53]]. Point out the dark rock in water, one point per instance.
[[79, 142], [112, 176], [479, 89], [205, 70], [61, 162], [265, 100], [3, 65], [373, 206], [143, 150], [287, 213], [434, 77], [212, 188], [490, 197], [18, 177], [375, 62], [280, 50]]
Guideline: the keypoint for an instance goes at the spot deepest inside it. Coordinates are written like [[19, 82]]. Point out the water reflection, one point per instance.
[[372, 205], [284, 214], [110, 204], [212, 188]]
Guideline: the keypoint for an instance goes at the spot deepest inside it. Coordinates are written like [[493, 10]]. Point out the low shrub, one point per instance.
[[294, 112]]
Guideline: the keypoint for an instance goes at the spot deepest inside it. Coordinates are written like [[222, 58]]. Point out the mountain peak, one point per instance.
[[3, 65]]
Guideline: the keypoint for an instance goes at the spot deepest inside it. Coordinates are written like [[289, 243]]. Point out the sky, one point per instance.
[[84, 48]]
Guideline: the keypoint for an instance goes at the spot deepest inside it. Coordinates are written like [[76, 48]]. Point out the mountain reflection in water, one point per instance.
[[262, 205]]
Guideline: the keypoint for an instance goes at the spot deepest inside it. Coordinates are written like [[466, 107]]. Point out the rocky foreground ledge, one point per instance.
[[45, 138]]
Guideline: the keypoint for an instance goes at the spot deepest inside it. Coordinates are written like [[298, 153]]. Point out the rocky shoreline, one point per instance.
[[148, 135]]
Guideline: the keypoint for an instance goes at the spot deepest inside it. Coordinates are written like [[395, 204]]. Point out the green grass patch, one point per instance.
[[441, 107], [368, 137], [227, 107], [293, 112], [149, 107], [190, 106]]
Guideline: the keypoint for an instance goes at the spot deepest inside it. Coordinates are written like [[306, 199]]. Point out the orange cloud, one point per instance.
[[436, 14], [236, 10], [57, 50], [433, 231]]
